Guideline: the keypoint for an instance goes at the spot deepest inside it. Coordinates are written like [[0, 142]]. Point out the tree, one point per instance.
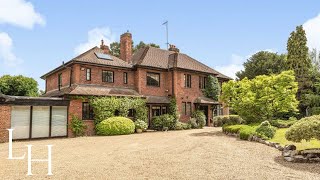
[[115, 47], [299, 61], [263, 97], [263, 63], [18, 86], [212, 89]]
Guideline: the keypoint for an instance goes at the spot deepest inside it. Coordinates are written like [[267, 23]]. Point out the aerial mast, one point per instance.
[[166, 23]]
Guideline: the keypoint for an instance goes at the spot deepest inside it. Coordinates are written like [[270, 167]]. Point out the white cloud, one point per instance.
[[9, 59], [236, 64], [312, 27], [19, 13], [94, 39]]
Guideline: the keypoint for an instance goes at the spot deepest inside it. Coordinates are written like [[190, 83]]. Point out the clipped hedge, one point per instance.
[[115, 126], [244, 131], [232, 129], [219, 121], [265, 130], [164, 121], [306, 128]]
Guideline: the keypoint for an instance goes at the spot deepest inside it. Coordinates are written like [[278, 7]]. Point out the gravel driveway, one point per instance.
[[190, 154]]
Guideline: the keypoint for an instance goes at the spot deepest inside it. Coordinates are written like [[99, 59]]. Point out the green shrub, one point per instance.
[[163, 122], [182, 126], [115, 126], [193, 123], [77, 126], [232, 128], [200, 118], [173, 108], [306, 128], [246, 131], [265, 130], [219, 121], [283, 123], [314, 111], [139, 124]]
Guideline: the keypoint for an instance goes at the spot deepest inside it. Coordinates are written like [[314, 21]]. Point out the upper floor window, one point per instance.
[[125, 78], [88, 74], [153, 79], [87, 111], [187, 80], [107, 76], [202, 82], [59, 81]]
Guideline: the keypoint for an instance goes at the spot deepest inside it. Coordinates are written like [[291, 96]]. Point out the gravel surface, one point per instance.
[[190, 154]]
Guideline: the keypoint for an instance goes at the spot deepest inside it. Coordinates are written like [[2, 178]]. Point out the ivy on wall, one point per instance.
[[106, 107]]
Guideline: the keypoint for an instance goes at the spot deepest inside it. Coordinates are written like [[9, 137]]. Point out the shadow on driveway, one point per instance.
[[212, 133], [308, 167]]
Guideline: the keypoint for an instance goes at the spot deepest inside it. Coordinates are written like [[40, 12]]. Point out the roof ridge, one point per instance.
[[200, 62], [84, 53]]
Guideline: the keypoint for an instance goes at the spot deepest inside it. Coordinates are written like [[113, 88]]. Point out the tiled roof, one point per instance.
[[159, 58], [157, 100], [93, 90], [205, 100], [91, 57]]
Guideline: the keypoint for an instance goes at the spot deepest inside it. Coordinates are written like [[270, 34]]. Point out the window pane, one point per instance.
[[20, 122], [107, 76], [183, 112], [164, 110], [188, 109], [156, 110], [125, 78], [59, 121], [40, 121], [153, 79], [88, 75]]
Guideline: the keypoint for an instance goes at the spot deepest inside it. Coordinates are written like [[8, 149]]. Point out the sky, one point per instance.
[[36, 36]]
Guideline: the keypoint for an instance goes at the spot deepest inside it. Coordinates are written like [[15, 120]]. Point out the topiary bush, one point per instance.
[[200, 118], [115, 126], [77, 126], [139, 124], [234, 129], [219, 121], [306, 128], [265, 130], [164, 121]]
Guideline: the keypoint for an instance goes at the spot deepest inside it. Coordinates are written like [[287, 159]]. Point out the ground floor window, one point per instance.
[[158, 110], [217, 110], [87, 111], [186, 108]]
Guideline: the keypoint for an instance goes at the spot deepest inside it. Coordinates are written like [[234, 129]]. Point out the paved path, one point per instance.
[[189, 154]]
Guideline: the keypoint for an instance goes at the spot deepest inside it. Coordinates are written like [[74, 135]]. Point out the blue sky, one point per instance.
[[36, 36]]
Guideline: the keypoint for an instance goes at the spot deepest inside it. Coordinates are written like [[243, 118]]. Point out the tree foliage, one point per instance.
[[115, 47], [263, 63], [262, 97], [212, 89], [299, 61], [18, 86]]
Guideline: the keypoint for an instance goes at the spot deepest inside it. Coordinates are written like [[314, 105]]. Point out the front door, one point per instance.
[[205, 111]]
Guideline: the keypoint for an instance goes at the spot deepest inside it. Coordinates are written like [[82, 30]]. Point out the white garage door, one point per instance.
[[20, 122], [59, 121], [40, 121]]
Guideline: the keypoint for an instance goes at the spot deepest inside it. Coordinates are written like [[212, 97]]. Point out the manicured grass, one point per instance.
[[279, 137]]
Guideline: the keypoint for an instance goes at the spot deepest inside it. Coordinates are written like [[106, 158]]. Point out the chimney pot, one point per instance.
[[105, 48], [173, 48]]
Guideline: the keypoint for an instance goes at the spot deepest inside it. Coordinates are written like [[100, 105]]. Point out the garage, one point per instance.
[[37, 117]]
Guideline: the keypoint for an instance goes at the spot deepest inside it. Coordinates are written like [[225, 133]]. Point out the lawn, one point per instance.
[[280, 138]]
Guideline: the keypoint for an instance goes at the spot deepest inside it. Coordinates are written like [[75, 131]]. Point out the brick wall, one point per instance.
[[75, 108], [5, 122], [52, 80]]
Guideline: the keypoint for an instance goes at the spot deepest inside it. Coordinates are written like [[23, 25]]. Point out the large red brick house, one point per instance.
[[151, 73]]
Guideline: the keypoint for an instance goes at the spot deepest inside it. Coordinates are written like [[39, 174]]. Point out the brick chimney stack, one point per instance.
[[126, 47], [174, 48], [105, 48]]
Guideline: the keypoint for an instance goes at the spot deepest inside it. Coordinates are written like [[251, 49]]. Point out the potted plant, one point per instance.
[[140, 126]]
